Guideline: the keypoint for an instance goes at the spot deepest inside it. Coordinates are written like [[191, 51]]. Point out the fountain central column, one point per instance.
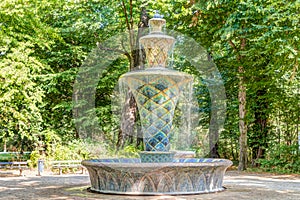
[[156, 91]]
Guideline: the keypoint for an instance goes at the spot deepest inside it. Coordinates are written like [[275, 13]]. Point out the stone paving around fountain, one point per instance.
[[73, 187]]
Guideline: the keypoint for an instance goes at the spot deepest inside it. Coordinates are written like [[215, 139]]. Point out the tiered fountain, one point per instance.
[[157, 90]]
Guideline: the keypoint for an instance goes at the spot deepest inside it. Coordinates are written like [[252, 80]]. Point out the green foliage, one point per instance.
[[129, 151], [270, 57], [34, 157], [44, 43], [73, 150], [70, 151], [20, 93], [283, 159], [14, 156]]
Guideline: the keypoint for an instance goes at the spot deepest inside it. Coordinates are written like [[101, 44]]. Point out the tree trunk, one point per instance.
[[298, 132], [4, 146], [260, 128], [213, 136], [242, 121], [128, 120], [214, 151], [139, 61], [232, 148], [214, 126], [139, 55]]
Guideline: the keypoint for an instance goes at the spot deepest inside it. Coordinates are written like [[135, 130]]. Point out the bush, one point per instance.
[[282, 159], [34, 157], [129, 151], [73, 150]]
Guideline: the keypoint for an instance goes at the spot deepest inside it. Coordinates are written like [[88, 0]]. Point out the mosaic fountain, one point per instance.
[[159, 171]]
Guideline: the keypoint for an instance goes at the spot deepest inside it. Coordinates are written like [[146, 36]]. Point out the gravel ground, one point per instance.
[[239, 186]]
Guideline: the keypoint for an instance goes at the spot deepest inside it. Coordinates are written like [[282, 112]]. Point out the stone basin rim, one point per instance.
[[202, 163], [158, 70], [207, 174], [158, 36]]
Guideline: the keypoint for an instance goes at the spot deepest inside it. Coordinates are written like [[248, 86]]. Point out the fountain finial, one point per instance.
[[157, 45], [157, 15], [156, 23]]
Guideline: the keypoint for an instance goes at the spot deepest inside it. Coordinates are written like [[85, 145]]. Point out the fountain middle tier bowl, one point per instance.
[[131, 177]]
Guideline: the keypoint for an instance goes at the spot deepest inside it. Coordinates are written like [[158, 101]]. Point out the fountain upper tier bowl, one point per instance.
[[182, 176]]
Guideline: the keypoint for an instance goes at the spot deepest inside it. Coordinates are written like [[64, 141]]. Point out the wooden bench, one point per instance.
[[15, 165], [67, 164]]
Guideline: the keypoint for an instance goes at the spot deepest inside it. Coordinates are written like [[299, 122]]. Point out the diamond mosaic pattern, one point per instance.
[[157, 101], [157, 50], [157, 157], [156, 93]]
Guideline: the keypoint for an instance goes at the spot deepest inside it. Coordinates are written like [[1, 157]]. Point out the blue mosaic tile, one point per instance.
[[166, 129], [152, 143], [165, 141], [152, 130], [148, 91], [156, 157], [160, 136], [156, 101], [168, 106], [160, 147], [160, 124], [148, 147], [161, 86], [160, 112]]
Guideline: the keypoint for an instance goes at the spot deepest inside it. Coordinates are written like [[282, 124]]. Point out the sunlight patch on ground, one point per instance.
[[284, 191], [16, 188], [3, 188], [253, 184], [30, 183], [48, 187]]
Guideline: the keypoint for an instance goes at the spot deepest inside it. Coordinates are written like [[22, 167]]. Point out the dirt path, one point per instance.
[[239, 186]]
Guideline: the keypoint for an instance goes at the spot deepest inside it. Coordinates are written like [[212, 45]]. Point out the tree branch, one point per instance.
[[100, 46], [295, 69], [126, 16], [243, 43], [131, 22], [126, 53], [131, 15], [129, 25], [232, 45]]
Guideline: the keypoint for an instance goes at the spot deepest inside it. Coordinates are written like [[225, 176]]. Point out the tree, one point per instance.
[[129, 16], [255, 45], [22, 37], [239, 35], [242, 37]]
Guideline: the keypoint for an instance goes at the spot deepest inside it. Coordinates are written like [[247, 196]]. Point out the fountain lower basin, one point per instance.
[[180, 177]]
